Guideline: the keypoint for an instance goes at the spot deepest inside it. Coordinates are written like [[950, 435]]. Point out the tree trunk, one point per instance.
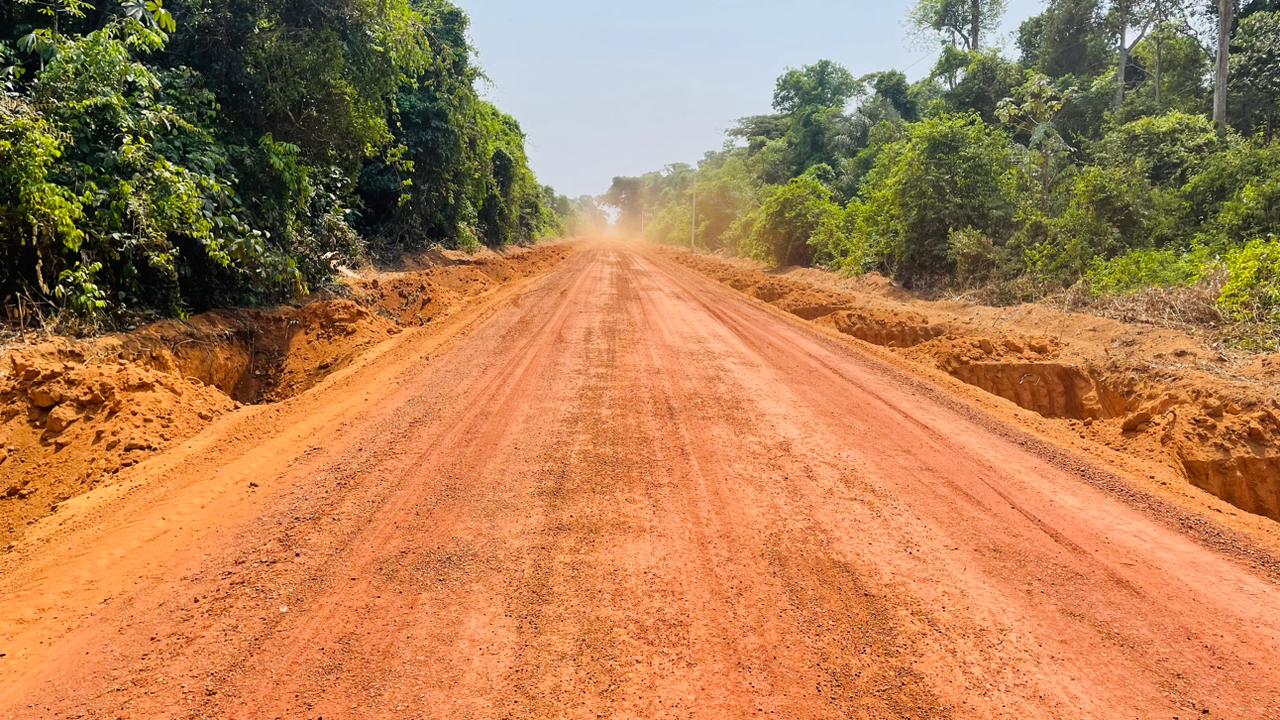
[[1226, 13], [975, 22], [1124, 60], [1159, 59]]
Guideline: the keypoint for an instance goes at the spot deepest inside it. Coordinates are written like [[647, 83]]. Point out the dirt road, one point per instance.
[[621, 490]]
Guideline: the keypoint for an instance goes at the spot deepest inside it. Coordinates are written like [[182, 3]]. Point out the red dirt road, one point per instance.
[[621, 490]]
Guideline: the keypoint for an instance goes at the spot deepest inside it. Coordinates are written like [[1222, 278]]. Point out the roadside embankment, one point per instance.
[[1156, 394], [74, 413]]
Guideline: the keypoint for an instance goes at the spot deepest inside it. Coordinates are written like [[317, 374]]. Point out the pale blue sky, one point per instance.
[[609, 88]]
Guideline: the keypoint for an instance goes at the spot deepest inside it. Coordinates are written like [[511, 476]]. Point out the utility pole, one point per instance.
[[693, 219]]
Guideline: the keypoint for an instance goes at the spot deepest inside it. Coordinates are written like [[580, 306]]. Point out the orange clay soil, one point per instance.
[[620, 489], [73, 414], [1157, 395]]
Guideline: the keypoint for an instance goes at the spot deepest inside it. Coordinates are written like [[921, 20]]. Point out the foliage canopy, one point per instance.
[[171, 158], [1009, 179]]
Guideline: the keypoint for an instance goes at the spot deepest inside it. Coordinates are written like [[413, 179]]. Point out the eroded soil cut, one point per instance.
[[73, 414], [620, 489], [1153, 393]]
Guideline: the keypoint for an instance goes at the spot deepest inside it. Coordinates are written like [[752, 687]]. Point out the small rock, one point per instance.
[[61, 418], [1135, 421], [42, 398], [24, 369]]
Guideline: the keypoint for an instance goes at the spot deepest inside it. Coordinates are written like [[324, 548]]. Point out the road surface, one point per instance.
[[621, 490]]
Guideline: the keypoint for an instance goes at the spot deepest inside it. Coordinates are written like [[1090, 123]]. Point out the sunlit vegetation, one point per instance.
[[1093, 163], [164, 158]]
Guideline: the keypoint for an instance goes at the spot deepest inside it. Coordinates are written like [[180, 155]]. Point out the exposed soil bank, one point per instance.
[[74, 413], [1157, 394], [624, 490]]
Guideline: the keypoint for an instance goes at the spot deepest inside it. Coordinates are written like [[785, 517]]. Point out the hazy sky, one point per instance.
[[605, 88]]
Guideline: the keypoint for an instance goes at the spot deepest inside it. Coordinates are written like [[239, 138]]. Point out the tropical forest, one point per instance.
[[1121, 148]]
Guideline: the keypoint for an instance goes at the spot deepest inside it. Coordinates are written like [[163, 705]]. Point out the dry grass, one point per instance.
[[1183, 308], [25, 320], [1193, 309]]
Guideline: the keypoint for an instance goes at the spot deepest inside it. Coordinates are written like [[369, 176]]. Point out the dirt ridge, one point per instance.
[[74, 413], [622, 489], [1155, 394]]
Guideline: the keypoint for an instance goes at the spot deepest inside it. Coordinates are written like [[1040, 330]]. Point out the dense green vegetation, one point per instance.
[[173, 157], [1091, 162]]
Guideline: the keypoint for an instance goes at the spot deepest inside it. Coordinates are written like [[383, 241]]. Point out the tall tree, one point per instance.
[[1178, 66], [892, 87], [1127, 14], [1068, 38], [824, 84], [1255, 72], [812, 101], [1226, 17], [963, 23]]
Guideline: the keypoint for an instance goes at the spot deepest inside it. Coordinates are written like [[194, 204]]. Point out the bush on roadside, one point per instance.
[[1165, 149], [1252, 292], [974, 255], [789, 217], [1140, 269], [147, 170], [950, 173]]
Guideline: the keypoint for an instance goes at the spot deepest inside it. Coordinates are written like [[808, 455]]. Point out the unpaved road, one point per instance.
[[621, 490]]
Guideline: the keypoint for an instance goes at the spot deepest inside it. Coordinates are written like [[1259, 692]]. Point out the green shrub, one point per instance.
[[790, 217], [39, 217], [951, 172], [1166, 149], [837, 244], [1254, 211], [975, 256], [160, 208], [1108, 213], [1140, 269], [80, 292], [1222, 176], [1252, 291]]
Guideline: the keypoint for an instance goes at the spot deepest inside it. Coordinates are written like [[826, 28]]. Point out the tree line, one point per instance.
[[169, 156], [1131, 144]]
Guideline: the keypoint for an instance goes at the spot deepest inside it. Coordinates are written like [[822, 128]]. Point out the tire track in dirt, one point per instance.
[[803, 360], [217, 610], [629, 492], [850, 637]]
